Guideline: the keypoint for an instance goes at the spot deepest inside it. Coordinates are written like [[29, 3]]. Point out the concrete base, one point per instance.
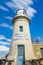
[[31, 62], [41, 61]]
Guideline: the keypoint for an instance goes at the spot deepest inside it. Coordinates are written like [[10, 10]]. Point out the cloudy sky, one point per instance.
[[8, 10]]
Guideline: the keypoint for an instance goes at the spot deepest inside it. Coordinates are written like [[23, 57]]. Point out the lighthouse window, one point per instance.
[[21, 28], [21, 55], [42, 52]]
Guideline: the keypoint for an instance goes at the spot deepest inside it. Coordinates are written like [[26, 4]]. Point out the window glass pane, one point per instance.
[[21, 55], [20, 50], [42, 52], [21, 28]]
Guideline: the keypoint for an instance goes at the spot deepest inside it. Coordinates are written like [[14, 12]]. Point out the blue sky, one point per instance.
[[8, 10]]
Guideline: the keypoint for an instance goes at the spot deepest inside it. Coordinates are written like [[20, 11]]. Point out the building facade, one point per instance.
[[22, 50]]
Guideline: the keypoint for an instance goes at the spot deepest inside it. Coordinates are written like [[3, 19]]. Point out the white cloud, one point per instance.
[[16, 4], [8, 41], [4, 8], [10, 18], [30, 12], [6, 25], [4, 43], [11, 5], [4, 48], [2, 37], [25, 2]]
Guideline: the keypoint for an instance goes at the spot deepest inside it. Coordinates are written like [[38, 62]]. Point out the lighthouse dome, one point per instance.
[[21, 12]]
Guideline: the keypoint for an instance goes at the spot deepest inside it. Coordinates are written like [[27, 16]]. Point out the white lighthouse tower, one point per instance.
[[21, 46]]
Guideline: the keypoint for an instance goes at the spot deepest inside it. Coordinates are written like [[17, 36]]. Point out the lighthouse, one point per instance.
[[21, 45]]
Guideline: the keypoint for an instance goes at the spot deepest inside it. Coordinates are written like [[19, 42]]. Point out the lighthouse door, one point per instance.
[[21, 55]]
